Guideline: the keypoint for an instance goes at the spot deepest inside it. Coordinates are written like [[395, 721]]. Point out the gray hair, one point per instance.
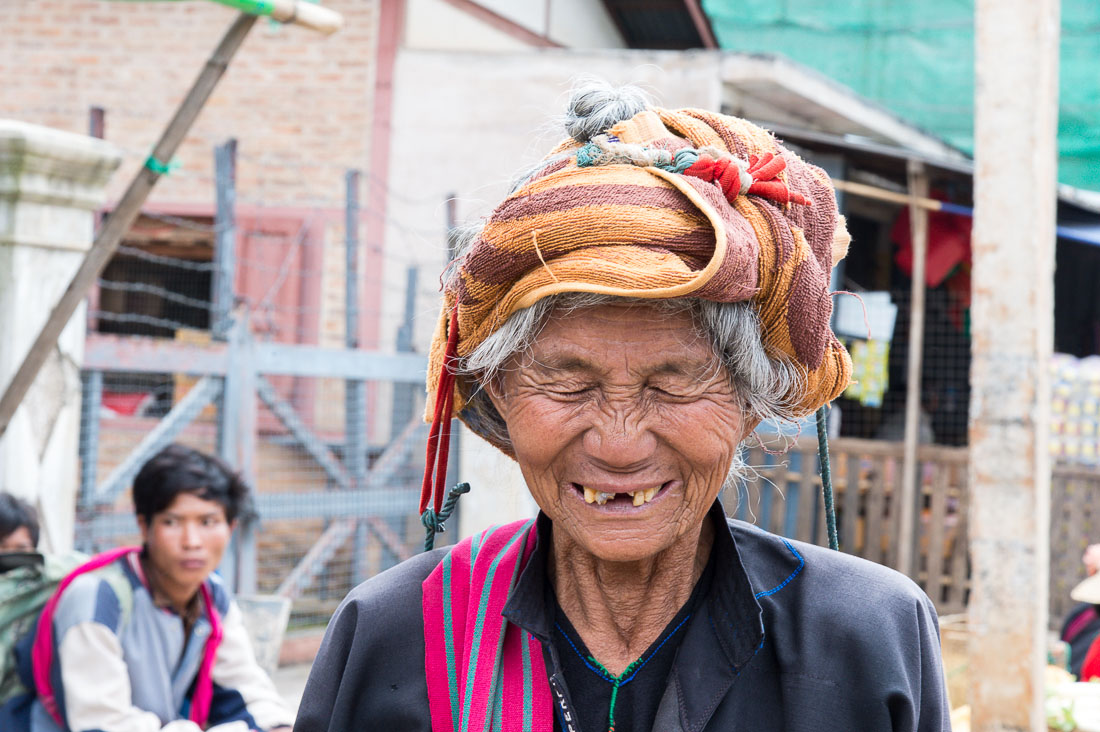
[[762, 383], [595, 105]]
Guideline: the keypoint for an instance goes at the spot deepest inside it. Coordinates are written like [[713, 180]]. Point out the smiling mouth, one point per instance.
[[638, 497]]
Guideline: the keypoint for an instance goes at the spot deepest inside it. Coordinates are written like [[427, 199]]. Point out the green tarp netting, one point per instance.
[[916, 58]]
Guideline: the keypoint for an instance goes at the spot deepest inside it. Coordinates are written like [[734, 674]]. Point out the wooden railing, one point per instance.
[[1074, 524], [785, 498]]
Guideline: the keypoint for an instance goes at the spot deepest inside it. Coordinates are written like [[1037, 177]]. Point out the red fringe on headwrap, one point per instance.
[[439, 437], [764, 170]]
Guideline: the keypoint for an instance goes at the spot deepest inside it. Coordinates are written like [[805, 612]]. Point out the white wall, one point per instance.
[[434, 24], [438, 25], [582, 24], [51, 183]]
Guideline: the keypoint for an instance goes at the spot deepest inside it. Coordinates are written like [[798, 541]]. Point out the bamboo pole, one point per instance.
[[881, 194], [122, 217], [918, 227], [297, 12]]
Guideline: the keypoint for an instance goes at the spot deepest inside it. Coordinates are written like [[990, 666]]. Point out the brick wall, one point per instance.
[[298, 102]]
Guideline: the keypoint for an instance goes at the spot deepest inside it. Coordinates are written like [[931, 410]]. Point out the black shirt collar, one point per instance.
[[732, 612]]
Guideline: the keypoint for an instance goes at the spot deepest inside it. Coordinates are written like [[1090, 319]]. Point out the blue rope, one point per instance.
[[826, 479], [589, 154]]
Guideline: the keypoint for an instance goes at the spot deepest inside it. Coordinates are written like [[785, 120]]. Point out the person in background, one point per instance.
[[18, 525], [1081, 628], [129, 639]]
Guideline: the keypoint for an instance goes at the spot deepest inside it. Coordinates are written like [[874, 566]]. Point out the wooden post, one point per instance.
[[97, 128], [910, 472], [116, 225], [1015, 128], [223, 282]]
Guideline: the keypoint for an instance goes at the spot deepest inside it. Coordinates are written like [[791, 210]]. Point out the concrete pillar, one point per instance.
[[1016, 112], [51, 184]]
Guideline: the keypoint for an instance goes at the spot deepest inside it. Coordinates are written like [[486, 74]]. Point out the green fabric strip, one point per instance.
[[475, 641], [449, 640], [480, 623], [475, 545], [524, 639], [498, 716]]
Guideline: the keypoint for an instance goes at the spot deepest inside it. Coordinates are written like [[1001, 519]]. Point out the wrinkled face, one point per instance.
[[618, 400], [186, 541], [17, 541]]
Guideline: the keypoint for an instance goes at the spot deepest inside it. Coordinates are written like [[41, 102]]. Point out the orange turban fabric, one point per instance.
[[668, 204]]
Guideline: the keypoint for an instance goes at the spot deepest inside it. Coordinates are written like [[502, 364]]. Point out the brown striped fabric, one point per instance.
[[645, 232]]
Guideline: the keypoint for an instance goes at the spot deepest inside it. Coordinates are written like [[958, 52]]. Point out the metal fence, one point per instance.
[[240, 335]]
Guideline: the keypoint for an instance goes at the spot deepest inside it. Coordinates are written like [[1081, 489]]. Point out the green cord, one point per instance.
[[616, 682], [433, 522], [161, 168], [826, 479]]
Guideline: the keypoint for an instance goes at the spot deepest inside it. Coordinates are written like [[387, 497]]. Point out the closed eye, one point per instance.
[[667, 392], [570, 393]]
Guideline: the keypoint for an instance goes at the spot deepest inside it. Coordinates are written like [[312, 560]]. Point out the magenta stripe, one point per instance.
[[204, 686], [488, 670], [498, 676], [435, 656], [1079, 622], [42, 651]]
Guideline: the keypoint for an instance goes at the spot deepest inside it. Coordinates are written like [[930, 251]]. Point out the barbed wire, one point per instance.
[[141, 319], [148, 289], [184, 223], [284, 267], [268, 160], [187, 264]]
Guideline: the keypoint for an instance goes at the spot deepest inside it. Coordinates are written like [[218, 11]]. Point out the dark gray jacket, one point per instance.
[[795, 637]]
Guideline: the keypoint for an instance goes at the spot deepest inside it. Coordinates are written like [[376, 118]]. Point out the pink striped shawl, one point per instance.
[[484, 674]]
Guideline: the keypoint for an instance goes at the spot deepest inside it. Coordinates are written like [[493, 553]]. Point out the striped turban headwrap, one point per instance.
[[667, 204]]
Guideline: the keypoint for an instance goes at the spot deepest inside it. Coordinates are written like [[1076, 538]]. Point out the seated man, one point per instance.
[[129, 640], [18, 525]]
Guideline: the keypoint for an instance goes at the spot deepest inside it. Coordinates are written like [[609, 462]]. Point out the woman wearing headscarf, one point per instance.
[[623, 320]]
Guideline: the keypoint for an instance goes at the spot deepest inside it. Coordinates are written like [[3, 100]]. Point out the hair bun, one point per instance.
[[595, 106]]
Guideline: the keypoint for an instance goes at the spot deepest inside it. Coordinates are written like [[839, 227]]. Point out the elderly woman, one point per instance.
[[619, 325]]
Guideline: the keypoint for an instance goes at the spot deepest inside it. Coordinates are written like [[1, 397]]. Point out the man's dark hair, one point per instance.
[[14, 513], [177, 469]]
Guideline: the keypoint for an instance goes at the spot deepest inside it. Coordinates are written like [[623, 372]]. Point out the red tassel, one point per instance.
[[764, 170], [434, 485], [767, 167]]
